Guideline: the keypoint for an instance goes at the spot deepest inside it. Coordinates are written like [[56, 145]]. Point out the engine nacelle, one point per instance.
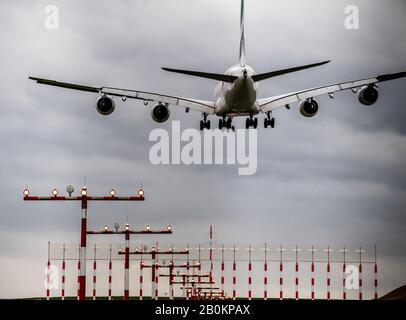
[[105, 105], [160, 113], [368, 95], [309, 108]]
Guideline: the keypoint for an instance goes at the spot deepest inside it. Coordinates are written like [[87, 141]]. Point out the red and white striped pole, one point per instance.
[[82, 253], [48, 270], [344, 275], [156, 279], [360, 273], [78, 288], [63, 272], [153, 277], [265, 275], [141, 277], [110, 274], [171, 278], [187, 268], [211, 253], [222, 270], [297, 275], [234, 277], [281, 274], [249, 274], [328, 273], [312, 274], [94, 272], [127, 263], [375, 277]]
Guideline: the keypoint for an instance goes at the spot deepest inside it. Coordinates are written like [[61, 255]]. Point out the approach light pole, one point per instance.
[[127, 232], [84, 198], [154, 265]]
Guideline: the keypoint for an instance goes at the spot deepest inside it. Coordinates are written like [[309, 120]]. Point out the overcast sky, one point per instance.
[[337, 178]]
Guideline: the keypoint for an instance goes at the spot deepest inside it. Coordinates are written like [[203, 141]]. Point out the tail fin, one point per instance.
[[242, 38]]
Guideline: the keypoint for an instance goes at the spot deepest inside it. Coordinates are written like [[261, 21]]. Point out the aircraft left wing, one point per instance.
[[198, 105], [271, 103]]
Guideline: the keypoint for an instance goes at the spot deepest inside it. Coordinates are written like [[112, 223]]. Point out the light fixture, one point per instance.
[[55, 192], [26, 192], [84, 191], [106, 228], [112, 192], [169, 228], [127, 226], [141, 193], [148, 228]]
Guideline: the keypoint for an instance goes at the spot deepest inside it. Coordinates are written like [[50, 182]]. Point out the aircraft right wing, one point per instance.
[[194, 104], [272, 103]]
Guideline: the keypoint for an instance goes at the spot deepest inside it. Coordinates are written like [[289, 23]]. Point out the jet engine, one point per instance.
[[105, 105], [368, 95], [160, 113], [309, 108]]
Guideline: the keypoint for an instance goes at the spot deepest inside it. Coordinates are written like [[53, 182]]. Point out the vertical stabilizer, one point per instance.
[[242, 38]]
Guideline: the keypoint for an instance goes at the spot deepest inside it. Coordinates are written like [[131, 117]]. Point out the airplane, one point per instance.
[[236, 93]]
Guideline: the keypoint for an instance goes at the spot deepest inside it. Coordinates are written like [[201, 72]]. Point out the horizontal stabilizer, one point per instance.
[[213, 76], [263, 76]]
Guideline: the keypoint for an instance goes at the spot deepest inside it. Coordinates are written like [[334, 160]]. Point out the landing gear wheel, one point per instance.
[[201, 125], [247, 123], [255, 123], [229, 122], [220, 124], [272, 123], [208, 124], [265, 123]]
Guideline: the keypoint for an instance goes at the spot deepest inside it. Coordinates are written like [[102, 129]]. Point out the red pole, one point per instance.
[[82, 253], [281, 275], [127, 263], [312, 271], [249, 275], [360, 273], [110, 273], [328, 273], [375, 277], [297, 275], [211, 253], [63, 273], [78, 288], [344, 276], [141, 278], [265, 276], [48, 269], [234, 277], [153, 273], [222, 269], [94, 273]]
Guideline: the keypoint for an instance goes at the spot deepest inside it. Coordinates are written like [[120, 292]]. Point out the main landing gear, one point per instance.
[[226, 123], [204, 124], [251, 122], [268, 121]]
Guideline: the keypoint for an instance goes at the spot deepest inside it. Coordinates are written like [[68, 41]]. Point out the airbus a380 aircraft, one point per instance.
[[235, 94]]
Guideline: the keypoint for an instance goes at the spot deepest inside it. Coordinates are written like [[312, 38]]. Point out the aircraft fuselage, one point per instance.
[[237, 98]]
